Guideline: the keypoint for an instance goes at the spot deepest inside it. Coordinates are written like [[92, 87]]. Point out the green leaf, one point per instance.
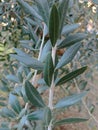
[[54, 25], [33, 95], [22, 122], [69, 28], [41, 89], [69, 121], [95, 1], [32, 34], [47, 116], [63, 6], [12, 78], [8, 113], [72, 39], [2, 104], [37, 115], [47, 48], [68, 55], [2, 98], [4, 129], [29, 76], [82, 84], [70, 100], [13, 101], [43, 8], [48, 70], [71, 75], [29, 9], [19, 74], [27, 60]]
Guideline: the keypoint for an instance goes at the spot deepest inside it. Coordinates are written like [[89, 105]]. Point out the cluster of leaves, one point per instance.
[[46, 28]]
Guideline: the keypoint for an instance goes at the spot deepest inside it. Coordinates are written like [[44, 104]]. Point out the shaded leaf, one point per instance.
[[69, 121], [63, 6], [47, 48], [13, 101], [33, 95], [29, 9], [70, 100], [82, 84], [12, 78], [8, 113], [4, 129], [95, 1], [47, 116], [27, 60], [2, 104], [69, 28], [48, 69], [43, 7], [68, 55], [22, 123], [37, 115], [54, 25], [72, 39], [32, 34], [41, 89], [71, 75]]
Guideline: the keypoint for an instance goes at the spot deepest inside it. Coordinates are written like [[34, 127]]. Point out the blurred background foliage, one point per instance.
[[20, 29]]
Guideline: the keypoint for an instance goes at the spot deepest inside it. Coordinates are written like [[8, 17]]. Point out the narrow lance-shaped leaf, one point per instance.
[[62, 12], [54, 25], [68, 55], [33, 95], [7, 113], [27, 60], [48, 70], [32, 34], [69, 121], [69, 28], [72, 39], [29, 9], [4, 128], [13, 101], [71, 75], [12, 78], [47, 116], [47, 48], [95, 1], [22, 122], [70, 100], [36, 115], [43, 7]]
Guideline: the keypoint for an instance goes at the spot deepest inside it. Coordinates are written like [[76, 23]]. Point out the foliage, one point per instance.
[[43, 31]]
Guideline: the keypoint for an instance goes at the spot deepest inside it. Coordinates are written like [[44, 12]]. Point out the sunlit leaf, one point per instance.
[[70, 100]]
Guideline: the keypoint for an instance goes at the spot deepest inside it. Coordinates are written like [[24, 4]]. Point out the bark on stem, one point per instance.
[[40, 52], [51, 90]]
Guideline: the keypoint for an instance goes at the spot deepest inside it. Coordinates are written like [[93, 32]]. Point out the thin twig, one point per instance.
[[51, 90], [92, 116], [40, 52]]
